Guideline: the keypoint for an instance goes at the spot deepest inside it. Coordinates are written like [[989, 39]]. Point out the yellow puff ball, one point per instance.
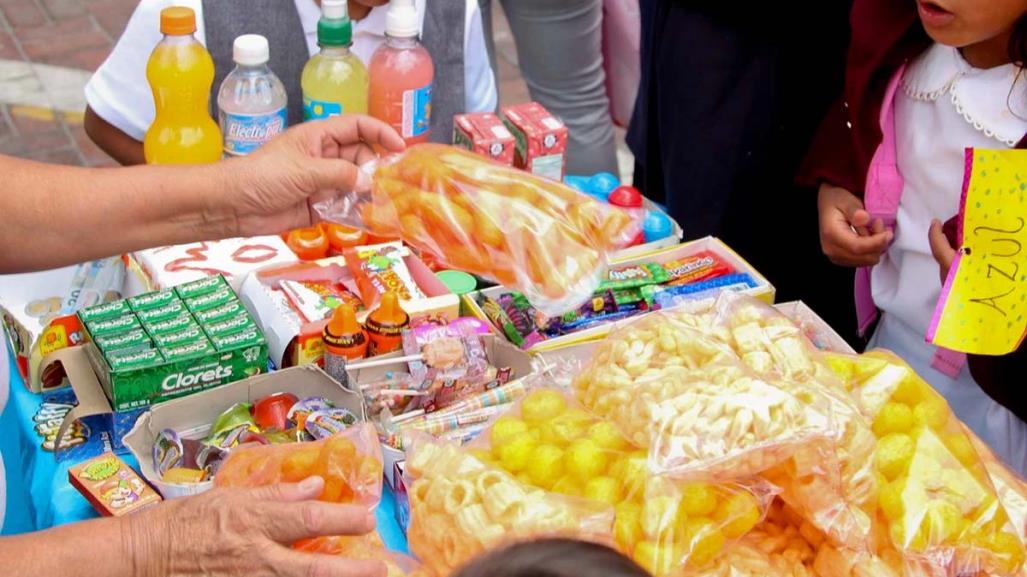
[[603, 489], [542, 406], [517, 453], [607, 436], [893, 418], [894, 453], [505, 429], [567, 486], [932, 413], [546, 466], [657, 559], [698, 499], [703, 540], [737, 514], [627, 529], [584, 459]]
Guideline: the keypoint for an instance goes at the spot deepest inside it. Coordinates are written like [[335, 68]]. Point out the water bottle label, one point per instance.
[[316, 109], [416, 111], [245, 133]]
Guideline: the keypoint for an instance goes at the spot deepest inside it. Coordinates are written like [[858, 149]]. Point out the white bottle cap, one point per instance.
[[401, 20], [250, 50], [334, 9]]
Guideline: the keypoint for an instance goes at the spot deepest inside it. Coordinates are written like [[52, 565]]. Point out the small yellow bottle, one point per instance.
[[180, 72], [334, 80]]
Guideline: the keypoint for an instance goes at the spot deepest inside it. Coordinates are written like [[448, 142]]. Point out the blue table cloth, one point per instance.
[[39, 495]]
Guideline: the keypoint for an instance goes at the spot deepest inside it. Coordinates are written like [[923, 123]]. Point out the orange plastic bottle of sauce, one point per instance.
[[385, 325], [309, 243], [344, 340]]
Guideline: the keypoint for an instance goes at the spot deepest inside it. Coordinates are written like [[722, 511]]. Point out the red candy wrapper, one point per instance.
[[701, 266], [381, 268]]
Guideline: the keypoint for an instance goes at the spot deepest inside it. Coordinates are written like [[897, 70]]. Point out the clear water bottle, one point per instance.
[[252, 104]]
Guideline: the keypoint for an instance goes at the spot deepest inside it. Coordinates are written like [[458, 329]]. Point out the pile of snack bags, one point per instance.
[[715, 440]]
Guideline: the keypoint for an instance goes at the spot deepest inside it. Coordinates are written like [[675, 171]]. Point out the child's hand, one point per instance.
[[943, 252], [847, 235]]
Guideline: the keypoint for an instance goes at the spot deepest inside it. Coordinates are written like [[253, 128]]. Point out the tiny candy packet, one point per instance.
[[316, 300], [379, 269], [633, 276], [701, 266], [111, 486]]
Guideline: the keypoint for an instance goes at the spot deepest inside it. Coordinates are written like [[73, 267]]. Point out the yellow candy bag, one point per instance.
[[664, 524], [937, 500], [461, 506]]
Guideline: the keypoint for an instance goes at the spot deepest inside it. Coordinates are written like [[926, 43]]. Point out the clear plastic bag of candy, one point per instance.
[[461, 507], [937, 500], [366, 547], [350, 463], [667, 525], [535, 235]]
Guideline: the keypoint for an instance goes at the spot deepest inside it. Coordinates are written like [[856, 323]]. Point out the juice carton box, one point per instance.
[[485, 134], [541, 139]]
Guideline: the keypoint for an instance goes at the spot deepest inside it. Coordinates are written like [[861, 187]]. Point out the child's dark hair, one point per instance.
[[1018, 43], [552, 558]]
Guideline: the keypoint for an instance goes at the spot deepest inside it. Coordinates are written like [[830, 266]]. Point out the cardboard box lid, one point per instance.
[[193, 414], [234, 258], [79, 371]]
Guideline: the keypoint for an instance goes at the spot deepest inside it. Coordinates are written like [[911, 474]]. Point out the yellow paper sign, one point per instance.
[[983, 307]]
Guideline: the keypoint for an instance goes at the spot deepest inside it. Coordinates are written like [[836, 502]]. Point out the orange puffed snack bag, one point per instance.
[[535, 235]]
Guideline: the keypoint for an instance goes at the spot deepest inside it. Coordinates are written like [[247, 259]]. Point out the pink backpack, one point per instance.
[[622, 30], [881, 199]]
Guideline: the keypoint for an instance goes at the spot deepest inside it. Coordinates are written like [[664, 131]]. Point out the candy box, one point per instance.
[[499, 353], [39, 309], [763, 289], [541, 139], [234, 258], [161, 350], [295, 340], [111, 486], [192, 416], [485, 134]]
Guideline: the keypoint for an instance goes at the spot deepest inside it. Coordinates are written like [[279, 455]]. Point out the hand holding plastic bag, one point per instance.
[[531, 234]]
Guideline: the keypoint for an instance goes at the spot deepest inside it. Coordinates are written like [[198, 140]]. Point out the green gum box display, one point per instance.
[[184, 359]]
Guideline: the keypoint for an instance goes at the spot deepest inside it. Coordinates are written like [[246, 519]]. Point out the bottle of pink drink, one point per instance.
[[401, 73]]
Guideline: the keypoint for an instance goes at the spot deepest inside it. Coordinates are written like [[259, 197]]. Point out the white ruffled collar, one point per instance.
[[993, 101]]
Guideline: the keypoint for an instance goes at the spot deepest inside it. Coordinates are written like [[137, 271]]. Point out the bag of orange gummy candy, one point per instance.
[[537, 236], [350, 464]]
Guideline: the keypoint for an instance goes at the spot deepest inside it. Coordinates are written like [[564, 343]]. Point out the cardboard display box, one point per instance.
[[39, 312], [499, 352], [293, 341], [575, 356], [234, 258], [763, 291], [192, 416]]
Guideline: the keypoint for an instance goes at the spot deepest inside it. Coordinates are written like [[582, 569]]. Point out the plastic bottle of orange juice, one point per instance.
[[401, 75], [180, 72]]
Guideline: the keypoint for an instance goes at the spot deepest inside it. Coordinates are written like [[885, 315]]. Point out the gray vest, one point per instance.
[[278, 21]]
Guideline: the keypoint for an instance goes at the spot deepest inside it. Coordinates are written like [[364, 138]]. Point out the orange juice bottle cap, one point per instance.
[[177, 21]]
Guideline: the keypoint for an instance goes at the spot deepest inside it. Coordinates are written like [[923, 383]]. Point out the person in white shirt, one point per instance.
[[227, 531], [120, 104]]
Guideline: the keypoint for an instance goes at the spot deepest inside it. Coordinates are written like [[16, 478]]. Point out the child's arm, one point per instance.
[[117, 144], [847, 235]]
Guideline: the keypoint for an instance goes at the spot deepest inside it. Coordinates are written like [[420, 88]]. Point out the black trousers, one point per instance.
[[730, 99]]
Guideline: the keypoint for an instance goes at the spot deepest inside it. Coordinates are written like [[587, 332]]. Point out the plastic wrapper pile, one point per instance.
[[537, 236], [350, 464]]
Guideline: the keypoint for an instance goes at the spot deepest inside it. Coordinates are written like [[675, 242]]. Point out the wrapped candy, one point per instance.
[[461, 506], [666, 525], [937, 500], [540, 237]]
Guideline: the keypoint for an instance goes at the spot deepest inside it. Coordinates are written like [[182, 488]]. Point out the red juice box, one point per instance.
[[541, 139], [484, 133]]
